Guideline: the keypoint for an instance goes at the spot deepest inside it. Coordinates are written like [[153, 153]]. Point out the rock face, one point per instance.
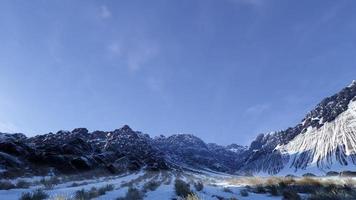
[[71, 152], [189, 151], [323, 141], [114, 151]]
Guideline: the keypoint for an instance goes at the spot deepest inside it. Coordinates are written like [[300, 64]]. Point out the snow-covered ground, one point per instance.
[[215, 186]]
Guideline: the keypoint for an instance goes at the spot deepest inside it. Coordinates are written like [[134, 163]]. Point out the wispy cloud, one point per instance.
[[138, 57], [257, 109], [105, 13], [134, 54]]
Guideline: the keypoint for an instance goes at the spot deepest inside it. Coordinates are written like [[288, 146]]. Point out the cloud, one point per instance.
[[134, 54], [139, 56], [257, 109], [105, 13]]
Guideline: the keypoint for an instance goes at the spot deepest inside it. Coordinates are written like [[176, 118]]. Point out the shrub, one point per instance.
[[35, 195], [199, 186], [26, 196], [50, 183], [61, 197], [218, 197], [93, 192], [75, 184], [282, 184], [333, 192], [182, 188], [192, 197], [151, 185], [309, 175], [23, 184], [290, 195], [226, 189], [132, 194], [81, 195], [244, 192], [260, 189], [6, 185], [106, 188], [332, 173], [273, 190]]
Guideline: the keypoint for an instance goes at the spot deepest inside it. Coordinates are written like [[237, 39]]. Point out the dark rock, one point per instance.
[[81, 163]]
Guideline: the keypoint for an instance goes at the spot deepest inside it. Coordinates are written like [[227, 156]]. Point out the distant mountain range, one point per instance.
[[324, 141]]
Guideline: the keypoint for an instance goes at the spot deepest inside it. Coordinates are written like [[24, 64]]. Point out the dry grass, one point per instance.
[[289, 187], [132, 194], [182, 188], [192, 197]]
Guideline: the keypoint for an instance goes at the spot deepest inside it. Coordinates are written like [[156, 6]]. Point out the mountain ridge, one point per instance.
[[332, 123]]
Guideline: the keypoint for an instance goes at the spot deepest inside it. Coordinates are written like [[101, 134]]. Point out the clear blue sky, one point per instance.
[[224, 70]]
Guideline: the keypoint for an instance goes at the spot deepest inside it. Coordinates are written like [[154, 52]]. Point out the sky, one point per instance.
[[223, 70]]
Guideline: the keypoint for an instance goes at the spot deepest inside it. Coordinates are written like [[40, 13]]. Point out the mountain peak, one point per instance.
[[353, 84], [126, 128]]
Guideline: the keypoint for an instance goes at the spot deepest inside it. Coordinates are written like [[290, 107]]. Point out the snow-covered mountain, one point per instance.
[[324, 141], [186, 150]]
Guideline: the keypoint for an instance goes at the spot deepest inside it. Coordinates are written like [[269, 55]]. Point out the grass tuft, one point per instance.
[[182, 188], [151, 185], [34, 195], [244, 192], [6, 185], [132, 194], [199, 186]]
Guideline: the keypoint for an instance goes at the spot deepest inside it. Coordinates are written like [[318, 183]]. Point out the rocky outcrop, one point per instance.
[[79, 150], [324, 138]]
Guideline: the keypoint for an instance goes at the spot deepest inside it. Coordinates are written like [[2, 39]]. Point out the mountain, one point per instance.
[[76, 151], [189, 151], [325, 140], [110, 152]]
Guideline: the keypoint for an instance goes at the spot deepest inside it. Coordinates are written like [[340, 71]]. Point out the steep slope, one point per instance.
[[330, 147], [324, 140]]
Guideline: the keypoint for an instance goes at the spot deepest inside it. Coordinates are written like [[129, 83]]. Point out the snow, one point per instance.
[[352, 84], [66, 190], [320, 150], [163, 192], [214, 184]]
